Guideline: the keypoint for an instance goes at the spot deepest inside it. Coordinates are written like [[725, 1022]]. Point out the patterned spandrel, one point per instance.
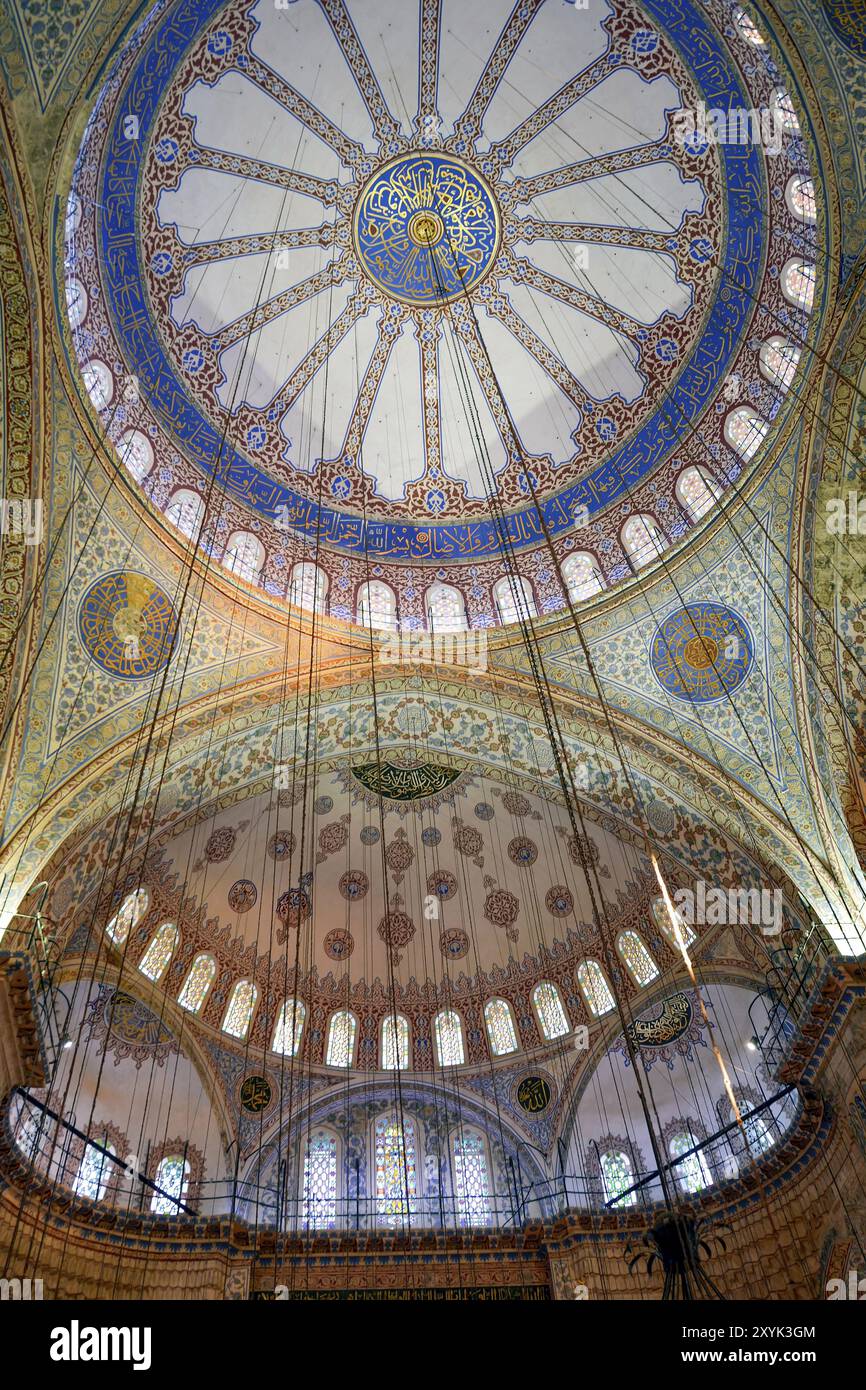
[[290, 1026], [240, 1010], [551, 1014], [692, 1174], [159, 952], [500, 1027], [396, 1169], [341, 1039], [197, 983], [395, 1043], [448, 1033], [617, 1177], [471, 1179], [319, 1207], [131, 911], [172, 1177], [638, 961], [93, 1173], [594, 988]]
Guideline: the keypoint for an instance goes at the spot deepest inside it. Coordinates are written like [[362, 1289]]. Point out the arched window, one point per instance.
[[745, 431], [661, 917], [783, 109], [448, 1033], [197, 983], [377, 605], [638, 961], [319, 1203], [617, 1177], [500, 1027], [309, 586], [547, 1003], [158, 954], [697, 492], [244, 555], [136, 454], [132, 909], [642, 540], [395, 1042], [93, 1173], [396, 1161], [582, 575], [800, 197], [172, 1178], [290, 1026], [239, 1013], [341, 1039], [185, 510], [446, 611], [98, 383], [76, 302], [748, 28], [758, 1135], [471, 1177], [594, 988], [692, 1174], [798, 283], [778, 361], [514, 599]]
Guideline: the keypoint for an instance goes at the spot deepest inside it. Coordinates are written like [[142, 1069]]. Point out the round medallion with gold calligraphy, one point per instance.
[[702, 652], [255, 1094], [128, 625], [533, 1094]]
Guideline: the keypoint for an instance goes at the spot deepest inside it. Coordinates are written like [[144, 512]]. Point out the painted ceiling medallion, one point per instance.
[[128, 625], [426, 229], [702, 652]]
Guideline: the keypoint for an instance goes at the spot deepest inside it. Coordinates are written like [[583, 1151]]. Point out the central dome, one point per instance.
[[426, 229]]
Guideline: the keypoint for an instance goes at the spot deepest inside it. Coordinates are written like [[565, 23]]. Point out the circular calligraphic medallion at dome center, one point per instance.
[[426, 228]]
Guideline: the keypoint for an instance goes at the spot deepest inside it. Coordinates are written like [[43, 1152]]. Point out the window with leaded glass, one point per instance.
[[692, 1173], [500, 1027], [582, 575], [158, 954], [551, 1014], [662, 919], [290, 1026], [197, 983], [132, 909], [448, 1032], [396, 1169], [471, 1178], [341, 1039], [239, 1013], [319, 1204], [172, 1179], [798, 283], [617, 1177], [745, 431], [638, 961], [93, 1173], [594, 988], [395, 1043]]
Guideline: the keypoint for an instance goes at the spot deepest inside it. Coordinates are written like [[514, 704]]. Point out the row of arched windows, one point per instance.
[[394, 1042], [171, 1177]]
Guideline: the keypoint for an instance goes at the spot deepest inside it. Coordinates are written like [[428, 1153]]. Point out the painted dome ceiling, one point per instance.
[[351, 271]]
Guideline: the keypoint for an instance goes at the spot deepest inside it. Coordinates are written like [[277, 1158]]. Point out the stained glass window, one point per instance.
[[172, 1178], [692, 1174], [446, 611], [132, 910], [778, 361], [471, 1178], [94, 1172], [786, 115], [661, 917], [341, 1039], [696, 492], [395, 1043], [197, 983], [240, 1010], [500, 1027], [745, 431], [638, 961], [594, 987], [582, 575], [377, 605], [759, 1137], [514, 599], [396, 1169], [244, 555], [159, 952], [798, 283], [448, 1033], [290, 1026], [186, 511], [748, 28], [320, 1180], [98, 382], [309, 586], [136, 451], [617, 1177], [551, 1014], [800, 197], [643, 540]]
